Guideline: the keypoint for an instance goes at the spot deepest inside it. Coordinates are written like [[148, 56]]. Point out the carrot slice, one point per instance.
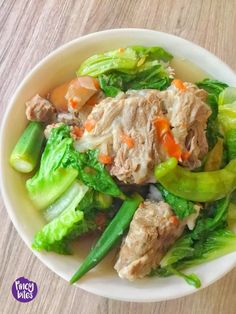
[[162, 126], [166, 138], [73, 102], [173, 149], [105, 159], [89, 125], [127, 140], [174, 220], [179, 84], [78, 131], [185, 155]]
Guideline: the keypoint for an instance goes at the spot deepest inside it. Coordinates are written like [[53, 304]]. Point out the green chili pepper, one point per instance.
[[110, 236], [198, 186]]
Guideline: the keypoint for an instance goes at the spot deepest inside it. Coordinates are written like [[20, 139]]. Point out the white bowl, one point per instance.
[[54, 69]]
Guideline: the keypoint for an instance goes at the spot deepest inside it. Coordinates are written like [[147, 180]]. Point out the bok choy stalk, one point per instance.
[[51, 237], [91, 200], [73, 214]]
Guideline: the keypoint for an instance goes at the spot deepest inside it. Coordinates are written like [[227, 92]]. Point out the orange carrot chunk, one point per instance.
[[89, 125], [173, 149], [179, 84], [127, 140], [105, 159], [73, 102], [185, 155], [174, 220], [162, 126], [78, 131]]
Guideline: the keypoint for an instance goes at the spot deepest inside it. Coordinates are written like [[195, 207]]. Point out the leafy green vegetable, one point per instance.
[[231, 218], [52, 178], [214, 88], [102, 201], [181, 207], [126, 60], [51, 237], [191, 279], [72, 215], [217, 219], [59, 167], [220, 242], [215, 156], [152, 53], [88, 206], [93, 173], [181, 249], [227, 116], [63, 201], [210, 239], [211, 219], [230, 138], [227, 96], [153, 77], [232, 212]]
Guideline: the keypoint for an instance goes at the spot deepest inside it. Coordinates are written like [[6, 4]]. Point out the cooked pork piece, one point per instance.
[[188, 114], [124, 129], [40, 109], [153, 230]]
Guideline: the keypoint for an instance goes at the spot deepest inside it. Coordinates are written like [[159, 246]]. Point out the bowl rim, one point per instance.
[[4, 193]]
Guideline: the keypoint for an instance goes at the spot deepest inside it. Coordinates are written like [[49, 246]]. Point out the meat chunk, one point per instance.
[[188, 114], [40, 109], [130, 116], [152, 231]]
